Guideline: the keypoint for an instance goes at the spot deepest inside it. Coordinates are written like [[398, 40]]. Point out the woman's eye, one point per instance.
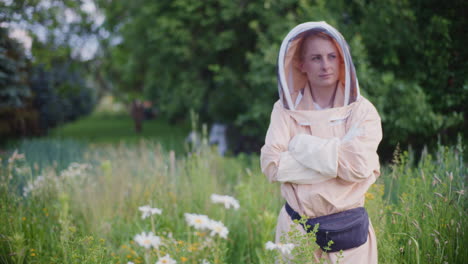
[[332, 56], [315, 58]]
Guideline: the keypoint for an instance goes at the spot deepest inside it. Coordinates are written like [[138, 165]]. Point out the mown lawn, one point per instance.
[[112, 129]]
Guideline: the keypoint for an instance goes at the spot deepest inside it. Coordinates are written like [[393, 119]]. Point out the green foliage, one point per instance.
[[57, 27], [395, 98], [412, 67], [14, 90], [17, 115], [183, 60], [33, 99], [305, 247], [61, 95]]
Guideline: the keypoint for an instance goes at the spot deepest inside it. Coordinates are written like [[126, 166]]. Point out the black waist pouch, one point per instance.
[[347, 229]]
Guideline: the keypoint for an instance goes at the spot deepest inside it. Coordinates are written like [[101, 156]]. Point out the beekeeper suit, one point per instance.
[[325, 159]]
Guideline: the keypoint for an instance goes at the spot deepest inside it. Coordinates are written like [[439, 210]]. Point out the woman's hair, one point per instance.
[[316, 34]]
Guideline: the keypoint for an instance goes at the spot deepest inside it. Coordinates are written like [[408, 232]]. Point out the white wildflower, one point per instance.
[[270, 245], [130, 262], [74, 170], [204, 261], [148, 211], [228, 201], [166, 260], [203, 222], [218, 228], [37, 183], [147, 240], [285, 249], [197, 221]]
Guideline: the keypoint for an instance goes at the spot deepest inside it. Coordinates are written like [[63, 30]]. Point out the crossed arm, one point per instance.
[[307, 159]]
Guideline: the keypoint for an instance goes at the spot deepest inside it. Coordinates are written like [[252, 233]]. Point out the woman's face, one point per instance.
[[321, 62]]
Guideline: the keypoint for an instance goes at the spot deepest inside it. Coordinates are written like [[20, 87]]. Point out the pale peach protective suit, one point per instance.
[[326, 160]]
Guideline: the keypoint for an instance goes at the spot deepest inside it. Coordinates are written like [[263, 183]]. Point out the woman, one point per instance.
[[322, 140]]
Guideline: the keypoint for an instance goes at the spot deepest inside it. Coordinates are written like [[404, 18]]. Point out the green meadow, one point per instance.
[[109, 128], [75, 197]]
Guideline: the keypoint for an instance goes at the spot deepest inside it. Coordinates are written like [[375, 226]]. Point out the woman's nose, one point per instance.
[[325, 64]]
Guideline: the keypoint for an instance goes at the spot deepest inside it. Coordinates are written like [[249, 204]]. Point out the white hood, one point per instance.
[[291, 80]]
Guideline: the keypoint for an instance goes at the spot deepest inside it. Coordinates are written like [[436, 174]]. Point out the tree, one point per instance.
[[16, 115], [44, 88]]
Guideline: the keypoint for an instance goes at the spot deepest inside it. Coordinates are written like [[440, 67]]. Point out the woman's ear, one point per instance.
[[301, 66]]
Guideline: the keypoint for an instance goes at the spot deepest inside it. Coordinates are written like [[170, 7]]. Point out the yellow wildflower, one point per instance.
[[192, 248], [369, 196]]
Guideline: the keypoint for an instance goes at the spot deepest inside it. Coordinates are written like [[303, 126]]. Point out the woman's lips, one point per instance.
[[325, 76]]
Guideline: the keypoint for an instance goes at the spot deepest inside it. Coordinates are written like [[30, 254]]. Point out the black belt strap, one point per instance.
[[295, 215]]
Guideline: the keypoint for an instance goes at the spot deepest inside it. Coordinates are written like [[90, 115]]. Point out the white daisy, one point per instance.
[[285, 249], [270, 245], [147, 240], [166, 260], [228, 201], [204, 261], [218, 228], [197, 221], [148, 211]]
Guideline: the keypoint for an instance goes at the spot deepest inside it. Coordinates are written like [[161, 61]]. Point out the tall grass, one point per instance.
[[418, 209], [425, 213], [96, 213]]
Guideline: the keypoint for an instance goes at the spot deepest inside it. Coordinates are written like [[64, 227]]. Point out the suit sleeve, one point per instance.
[[352, 158], [357, 158], [277, 162]]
